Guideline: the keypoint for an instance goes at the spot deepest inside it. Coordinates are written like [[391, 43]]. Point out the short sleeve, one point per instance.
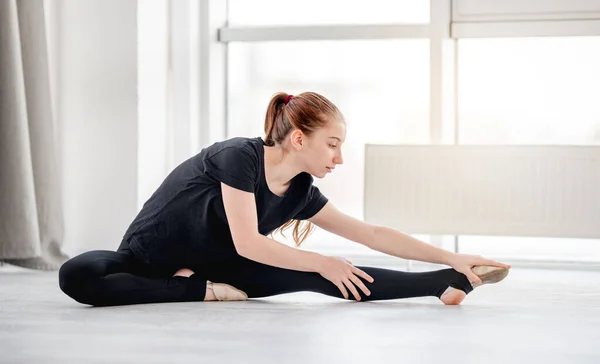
[[235, 166], [313, 204]]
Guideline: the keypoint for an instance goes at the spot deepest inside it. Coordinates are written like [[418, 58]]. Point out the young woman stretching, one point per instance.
[[202, 236]]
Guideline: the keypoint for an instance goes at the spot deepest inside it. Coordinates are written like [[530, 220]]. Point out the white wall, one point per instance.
[[93, 49]]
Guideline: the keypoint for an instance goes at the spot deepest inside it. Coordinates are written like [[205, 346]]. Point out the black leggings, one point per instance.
[[108, 278]]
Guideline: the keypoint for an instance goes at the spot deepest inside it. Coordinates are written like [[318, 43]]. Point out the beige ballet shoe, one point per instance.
[[225, 292], [489, 274]]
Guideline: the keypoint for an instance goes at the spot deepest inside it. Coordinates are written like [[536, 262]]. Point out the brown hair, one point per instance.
[[307, 112]]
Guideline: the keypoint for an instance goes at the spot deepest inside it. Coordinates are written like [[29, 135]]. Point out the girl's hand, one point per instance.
[[463, 264], [344, 275]]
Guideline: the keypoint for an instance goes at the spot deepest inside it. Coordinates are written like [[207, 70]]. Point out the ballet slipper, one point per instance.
[[225, 292], [489, 274]]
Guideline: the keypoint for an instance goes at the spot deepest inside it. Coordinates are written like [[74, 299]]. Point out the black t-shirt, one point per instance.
[[184, 221]]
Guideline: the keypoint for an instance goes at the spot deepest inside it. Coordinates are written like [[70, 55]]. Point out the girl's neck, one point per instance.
[[280, 167]]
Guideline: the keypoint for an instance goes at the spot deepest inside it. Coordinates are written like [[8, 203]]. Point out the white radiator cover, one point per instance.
[[542, 191]]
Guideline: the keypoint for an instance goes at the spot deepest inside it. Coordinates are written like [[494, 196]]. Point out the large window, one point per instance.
[[396, 87], [511, 91]]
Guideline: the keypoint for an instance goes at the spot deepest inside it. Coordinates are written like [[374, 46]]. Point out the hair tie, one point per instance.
[[288, 98]]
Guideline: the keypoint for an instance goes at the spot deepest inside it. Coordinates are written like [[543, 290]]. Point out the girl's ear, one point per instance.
[[297, 139]]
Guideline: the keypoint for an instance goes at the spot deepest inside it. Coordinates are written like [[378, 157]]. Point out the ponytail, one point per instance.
[[275, 130]]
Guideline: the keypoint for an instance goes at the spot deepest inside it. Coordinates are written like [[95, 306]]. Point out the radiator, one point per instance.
[[541, 191]]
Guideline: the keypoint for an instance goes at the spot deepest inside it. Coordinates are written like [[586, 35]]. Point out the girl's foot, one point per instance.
[[225, 292], [216, 291], [487, 274], [453, 296]]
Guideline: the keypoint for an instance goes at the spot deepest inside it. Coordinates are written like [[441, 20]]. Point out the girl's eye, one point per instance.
[[333, 146]]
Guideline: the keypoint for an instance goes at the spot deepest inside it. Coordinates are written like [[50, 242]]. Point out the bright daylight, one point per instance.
[[331, 181]]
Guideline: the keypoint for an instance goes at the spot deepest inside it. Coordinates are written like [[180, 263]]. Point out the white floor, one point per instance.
[[534, 316]]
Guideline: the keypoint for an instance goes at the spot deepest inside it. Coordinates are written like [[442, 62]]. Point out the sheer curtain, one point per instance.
[[31, 220]]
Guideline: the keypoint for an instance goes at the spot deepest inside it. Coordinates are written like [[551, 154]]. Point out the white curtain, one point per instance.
[[31, 216]]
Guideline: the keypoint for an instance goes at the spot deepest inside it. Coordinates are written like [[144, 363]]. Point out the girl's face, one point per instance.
[[323, 149]]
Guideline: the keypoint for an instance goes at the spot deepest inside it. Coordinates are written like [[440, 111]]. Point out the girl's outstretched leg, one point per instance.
[[260, 280]]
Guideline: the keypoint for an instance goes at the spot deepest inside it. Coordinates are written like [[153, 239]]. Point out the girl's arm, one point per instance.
[[380, 238], [395, 243], [240, 208]]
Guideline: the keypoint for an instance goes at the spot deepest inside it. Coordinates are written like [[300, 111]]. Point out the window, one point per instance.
[[510, 91]]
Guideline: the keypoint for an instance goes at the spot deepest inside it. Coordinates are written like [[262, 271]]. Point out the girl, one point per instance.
[[209, 220]]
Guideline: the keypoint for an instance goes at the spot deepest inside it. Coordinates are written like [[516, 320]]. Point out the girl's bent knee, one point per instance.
[[74, 278], [68, 277]]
